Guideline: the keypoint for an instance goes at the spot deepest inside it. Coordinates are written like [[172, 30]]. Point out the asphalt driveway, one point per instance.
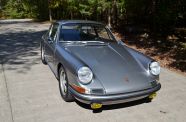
[[29, 91]]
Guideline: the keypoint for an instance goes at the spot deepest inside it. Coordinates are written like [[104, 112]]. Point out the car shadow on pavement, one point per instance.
[[114, 106], [20, 49]]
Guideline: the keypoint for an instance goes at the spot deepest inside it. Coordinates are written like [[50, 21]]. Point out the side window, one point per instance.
[[53, 31]]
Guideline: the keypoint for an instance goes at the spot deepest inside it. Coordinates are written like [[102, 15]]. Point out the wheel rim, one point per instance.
[[42, 54], [63, 82]]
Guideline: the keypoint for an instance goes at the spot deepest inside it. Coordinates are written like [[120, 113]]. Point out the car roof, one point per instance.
[[77, 21]]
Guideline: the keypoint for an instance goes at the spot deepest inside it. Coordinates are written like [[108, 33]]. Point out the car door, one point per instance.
[[50, 45]]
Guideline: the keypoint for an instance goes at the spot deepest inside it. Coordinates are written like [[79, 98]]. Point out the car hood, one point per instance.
[[113, 66]]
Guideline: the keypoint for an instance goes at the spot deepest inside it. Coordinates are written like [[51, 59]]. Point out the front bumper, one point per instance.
[[114, 99]]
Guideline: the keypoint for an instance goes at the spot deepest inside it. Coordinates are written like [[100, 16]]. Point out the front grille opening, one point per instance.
[[97, 91]]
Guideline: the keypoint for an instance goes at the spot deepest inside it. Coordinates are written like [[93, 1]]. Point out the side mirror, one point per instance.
[[49, 39], [43, 37]]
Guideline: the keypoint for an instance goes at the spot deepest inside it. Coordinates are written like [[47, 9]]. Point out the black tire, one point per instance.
[[43, 55], [66, 95]]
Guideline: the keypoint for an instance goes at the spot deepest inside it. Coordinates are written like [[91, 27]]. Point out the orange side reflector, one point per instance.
[[78, 88]]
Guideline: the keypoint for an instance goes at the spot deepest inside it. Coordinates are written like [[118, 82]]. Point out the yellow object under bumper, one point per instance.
[[96, 105], [153, 95]]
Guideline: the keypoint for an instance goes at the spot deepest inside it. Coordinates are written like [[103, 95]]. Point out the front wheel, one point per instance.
[[63, 86]]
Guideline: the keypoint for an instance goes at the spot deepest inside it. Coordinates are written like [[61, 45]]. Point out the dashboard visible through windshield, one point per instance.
[[85, 32]]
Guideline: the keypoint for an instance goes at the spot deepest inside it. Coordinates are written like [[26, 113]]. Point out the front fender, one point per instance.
[[71, 64], [67, 59], [143, 59]]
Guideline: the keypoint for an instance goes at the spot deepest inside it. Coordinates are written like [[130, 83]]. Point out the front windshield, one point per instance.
[[85, 32]]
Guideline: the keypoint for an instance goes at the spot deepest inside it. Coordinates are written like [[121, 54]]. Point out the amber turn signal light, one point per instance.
[[78, 88]]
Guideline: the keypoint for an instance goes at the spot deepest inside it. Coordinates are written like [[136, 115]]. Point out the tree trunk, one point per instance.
[[114, 12], [153, 10], [50, 14], [109, 18], [71, 14], [49, 11]]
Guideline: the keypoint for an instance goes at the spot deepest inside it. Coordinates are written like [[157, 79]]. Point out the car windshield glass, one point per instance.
[[85, 32]]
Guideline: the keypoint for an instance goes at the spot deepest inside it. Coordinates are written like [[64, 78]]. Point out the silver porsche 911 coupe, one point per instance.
[[95, 68]]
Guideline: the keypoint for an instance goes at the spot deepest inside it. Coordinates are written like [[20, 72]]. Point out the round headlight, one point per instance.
[[85, 75], [155, 68]]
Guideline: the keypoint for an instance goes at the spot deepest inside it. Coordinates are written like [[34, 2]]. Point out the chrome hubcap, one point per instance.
[[63, 82], [42, 54]]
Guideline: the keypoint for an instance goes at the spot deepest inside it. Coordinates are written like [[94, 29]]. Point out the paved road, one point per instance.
[[29, 91]]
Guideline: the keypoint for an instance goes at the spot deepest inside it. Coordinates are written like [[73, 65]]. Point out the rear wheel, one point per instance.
[[64, 86], [43, 55]]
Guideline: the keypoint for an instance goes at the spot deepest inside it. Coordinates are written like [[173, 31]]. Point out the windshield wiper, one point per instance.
[[73, 42]]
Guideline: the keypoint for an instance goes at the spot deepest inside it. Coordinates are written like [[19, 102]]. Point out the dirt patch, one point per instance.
[[169, 50]]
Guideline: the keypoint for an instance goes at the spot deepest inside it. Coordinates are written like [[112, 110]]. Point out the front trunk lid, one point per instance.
[[113, 66]]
